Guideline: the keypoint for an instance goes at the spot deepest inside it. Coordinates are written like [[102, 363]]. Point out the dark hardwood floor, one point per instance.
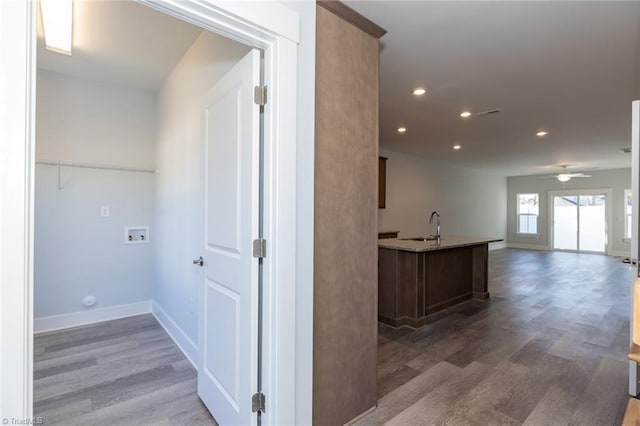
[[122, 372], [549, 348]]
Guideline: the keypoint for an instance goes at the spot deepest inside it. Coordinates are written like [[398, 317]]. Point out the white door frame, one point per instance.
[[608, 225], [634, 271], [265, 25]]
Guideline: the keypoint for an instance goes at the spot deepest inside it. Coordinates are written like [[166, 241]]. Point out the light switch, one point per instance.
[[105, 211]]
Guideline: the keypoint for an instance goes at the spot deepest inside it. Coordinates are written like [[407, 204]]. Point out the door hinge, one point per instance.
[[260, 95], [258, 403], [260, 248]]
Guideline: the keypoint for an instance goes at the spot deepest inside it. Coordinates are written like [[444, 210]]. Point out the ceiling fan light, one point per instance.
[[564, 177]]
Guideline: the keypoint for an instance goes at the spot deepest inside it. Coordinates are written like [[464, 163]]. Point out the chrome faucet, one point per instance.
[[437, 215]]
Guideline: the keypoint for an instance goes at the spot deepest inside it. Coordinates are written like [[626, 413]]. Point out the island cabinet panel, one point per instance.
[[415, 284], [410, 291], [387, 234], [480, 272], [387, 270], [382, 182], [345, 215], [448, 278]]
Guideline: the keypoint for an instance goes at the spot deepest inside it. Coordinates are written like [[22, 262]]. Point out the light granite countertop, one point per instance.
[[446, 242]]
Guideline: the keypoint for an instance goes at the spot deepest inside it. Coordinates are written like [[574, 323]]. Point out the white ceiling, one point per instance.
[[110, 45], [571, 68]]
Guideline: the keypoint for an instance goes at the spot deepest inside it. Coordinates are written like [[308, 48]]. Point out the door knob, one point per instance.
[[199, 261]]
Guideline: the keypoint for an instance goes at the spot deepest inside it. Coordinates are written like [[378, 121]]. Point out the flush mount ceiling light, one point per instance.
[[419, 91], [57, 20], [542, 133], [465, 114], [402, 129], [457, 147]]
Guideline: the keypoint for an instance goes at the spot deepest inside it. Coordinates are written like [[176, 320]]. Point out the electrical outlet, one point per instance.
[[105, 211]]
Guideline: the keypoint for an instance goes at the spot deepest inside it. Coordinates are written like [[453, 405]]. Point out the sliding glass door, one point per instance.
[[580, 221]]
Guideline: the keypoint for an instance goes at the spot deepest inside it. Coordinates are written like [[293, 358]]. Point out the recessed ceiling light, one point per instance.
[[542, 133], [402, 129], [419, 91], [465, 114], [456, 147]]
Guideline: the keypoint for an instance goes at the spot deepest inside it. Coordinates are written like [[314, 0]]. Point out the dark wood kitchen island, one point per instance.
[[419, 278]]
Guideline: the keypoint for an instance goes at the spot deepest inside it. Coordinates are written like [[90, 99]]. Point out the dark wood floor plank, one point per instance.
[[549, 348], [541, 375], [605, 399], [555, 408], [77, 380], [40, 373], [123, 372], [404, 396], [394, 379], [435, 407], [478, 404]]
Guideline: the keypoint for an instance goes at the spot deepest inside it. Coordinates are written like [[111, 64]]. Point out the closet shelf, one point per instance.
[[95, 166]]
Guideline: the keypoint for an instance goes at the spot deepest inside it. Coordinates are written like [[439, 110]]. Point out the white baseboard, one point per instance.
[[360, 416], [75, 319], [527, 246], [497, 246], [620, 253], [544, 248], [180, 338]]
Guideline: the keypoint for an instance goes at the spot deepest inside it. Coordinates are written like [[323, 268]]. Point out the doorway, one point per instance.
[[580, 220], [269, 27], [119, 214]]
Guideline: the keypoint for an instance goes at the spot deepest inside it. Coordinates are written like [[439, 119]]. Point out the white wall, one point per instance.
[[78, 252], [85, 121], [470, 203], [180, 182], [617, 180]]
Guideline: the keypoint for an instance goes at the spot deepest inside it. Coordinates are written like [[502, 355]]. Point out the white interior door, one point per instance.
[[634, 388], [228, 343]]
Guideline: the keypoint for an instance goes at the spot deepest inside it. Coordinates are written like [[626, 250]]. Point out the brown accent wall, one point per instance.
[[346, 203]]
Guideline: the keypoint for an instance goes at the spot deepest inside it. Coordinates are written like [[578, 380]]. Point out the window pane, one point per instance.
[[592, 224], [627, 210], [527, 224], [528, 207], [528, 203], [522, 225], [532, 224], [565, 222]]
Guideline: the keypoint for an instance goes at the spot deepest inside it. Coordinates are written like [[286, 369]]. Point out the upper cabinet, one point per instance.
[[382, 182]]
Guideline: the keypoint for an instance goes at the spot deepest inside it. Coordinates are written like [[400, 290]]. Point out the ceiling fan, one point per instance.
[[565, 176]]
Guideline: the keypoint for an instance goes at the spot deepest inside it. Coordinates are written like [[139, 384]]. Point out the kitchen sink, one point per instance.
[[429, 238]]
